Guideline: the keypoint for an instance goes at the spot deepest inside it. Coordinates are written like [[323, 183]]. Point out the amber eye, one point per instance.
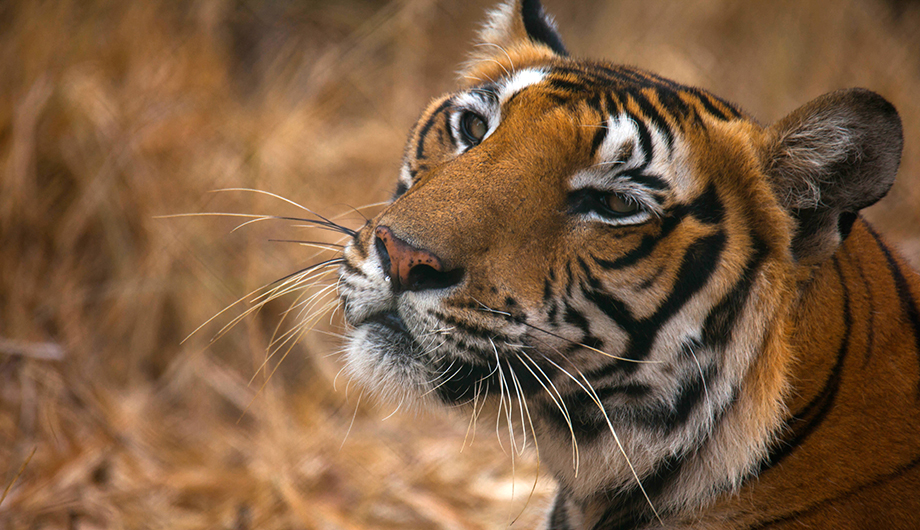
[[473, 127], [620, 205]]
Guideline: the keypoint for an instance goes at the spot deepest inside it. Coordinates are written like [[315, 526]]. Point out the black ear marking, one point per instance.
[[540, 27]]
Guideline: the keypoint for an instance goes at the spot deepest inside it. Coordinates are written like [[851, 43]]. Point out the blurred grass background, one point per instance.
[[114, 113]]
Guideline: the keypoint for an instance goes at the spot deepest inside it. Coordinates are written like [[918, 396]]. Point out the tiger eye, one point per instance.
[[473, 127], [619, 205]]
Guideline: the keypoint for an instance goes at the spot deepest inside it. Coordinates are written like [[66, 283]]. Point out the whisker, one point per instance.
[[516, 320], [317, 244], [536, 446], [477, 388], [352, 423], [399, 406], [560, 404], [702, 377], [304, 208], [592, 394]]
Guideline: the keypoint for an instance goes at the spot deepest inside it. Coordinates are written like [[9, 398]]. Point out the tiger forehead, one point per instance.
[[611, 90]]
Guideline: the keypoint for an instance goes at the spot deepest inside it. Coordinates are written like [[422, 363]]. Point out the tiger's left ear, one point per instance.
[[829, 159], [518, 27]]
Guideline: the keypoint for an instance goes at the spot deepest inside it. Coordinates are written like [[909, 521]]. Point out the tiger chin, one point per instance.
[[702, 329]]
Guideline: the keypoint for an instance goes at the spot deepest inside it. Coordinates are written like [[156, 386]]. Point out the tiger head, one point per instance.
[[607, 257]]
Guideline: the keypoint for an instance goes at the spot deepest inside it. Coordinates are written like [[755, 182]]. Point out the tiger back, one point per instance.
[[680, 307]]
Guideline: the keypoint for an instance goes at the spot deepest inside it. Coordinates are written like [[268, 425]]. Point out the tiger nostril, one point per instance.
[[410, 268]]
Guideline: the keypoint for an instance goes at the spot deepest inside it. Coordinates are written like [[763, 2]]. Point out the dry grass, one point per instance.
[[114, 113]]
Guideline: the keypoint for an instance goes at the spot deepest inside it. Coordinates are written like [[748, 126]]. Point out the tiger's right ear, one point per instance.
[[519, 31], [829, 159]]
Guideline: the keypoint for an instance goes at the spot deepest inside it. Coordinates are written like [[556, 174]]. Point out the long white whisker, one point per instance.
[[488, 309], [352, 423], [560, 404], [589, 390]]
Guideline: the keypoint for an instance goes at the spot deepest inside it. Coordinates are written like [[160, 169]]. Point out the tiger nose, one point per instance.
[[410, 268]]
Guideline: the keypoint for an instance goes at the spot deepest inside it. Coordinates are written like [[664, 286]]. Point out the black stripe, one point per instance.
[[671, 101], [645, 143], [908, 304], [401, 188], [587, 419], [706, 208], [630, 510], [471, 328], [804, 422], [423, 132], [614, 106], [697, 266], [599, 136], [665, 417], [707, 103], [594, 102], [547, 290], [351, 268], [720, 322], [870, 342], [450, 133], [464, 378], [655, 117], [566, 86], [649, 181]]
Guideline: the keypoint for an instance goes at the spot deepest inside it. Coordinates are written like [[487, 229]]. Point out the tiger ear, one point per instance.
[[518, 25], [829, 159]]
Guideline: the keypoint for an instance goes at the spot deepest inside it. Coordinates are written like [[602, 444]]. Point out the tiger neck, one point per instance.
[[802, 384], [855, 322]]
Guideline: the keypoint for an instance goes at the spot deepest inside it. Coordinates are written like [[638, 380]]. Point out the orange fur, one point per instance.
[[774, 350]]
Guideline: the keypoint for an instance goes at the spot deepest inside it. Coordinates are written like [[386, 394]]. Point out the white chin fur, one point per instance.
[[392, 376]]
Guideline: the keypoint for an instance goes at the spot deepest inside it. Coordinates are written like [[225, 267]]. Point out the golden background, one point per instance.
[[115, 113]]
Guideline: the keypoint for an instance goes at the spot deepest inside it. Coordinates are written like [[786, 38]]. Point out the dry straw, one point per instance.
[[113, 114]]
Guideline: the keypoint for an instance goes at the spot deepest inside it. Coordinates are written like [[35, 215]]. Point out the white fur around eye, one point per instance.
[[479, 103], [519, 81]]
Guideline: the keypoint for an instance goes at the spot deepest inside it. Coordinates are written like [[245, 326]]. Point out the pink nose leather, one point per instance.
[[404, 257]]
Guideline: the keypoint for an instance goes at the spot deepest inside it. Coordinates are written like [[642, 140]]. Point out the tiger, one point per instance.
[[682, 307]]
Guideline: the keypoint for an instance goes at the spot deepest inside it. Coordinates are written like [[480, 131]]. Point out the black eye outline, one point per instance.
[[623, 200], [590, 200], [466, 124]]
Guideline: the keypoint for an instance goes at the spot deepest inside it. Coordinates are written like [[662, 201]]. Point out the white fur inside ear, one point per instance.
[[812, 150], [499, 26]]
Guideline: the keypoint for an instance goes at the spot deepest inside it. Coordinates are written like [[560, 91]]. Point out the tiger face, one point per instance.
[[607, 258]]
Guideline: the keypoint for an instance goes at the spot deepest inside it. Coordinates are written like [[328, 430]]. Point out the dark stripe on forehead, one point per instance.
[[645, 142], [566, 85], [598, 139], [668, 92], [423, 131], [652, 114], [649, 181]]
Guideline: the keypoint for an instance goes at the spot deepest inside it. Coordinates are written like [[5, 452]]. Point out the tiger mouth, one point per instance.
[[387, 319]]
